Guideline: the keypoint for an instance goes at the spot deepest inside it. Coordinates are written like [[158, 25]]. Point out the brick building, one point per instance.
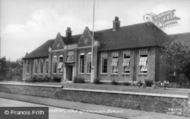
[[127, 53]]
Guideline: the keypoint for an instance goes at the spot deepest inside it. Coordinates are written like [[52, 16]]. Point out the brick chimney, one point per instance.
[[116, 24], [68, 32]]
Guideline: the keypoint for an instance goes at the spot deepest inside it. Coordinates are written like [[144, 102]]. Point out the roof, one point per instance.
[[71, 40], [41, 51], [133, 36]]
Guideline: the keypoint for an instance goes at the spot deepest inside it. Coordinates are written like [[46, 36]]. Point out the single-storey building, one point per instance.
[[127, 53]]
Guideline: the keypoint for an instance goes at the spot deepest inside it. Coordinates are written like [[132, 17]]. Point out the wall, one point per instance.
[[169, 104], [134, 67]]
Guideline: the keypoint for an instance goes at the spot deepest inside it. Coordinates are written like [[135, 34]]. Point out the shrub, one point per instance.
[[97, 80], [114, 82], [79, 80], [139, 83], [57, 79], [47, 79], [149, 82], [34, 79], [127, 83]]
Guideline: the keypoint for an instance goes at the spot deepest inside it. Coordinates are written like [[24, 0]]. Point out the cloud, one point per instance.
[[43, 25]]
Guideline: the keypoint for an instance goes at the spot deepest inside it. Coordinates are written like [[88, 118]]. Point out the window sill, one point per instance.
[[143, 74], [126, 73], [113, 74], [103, 74]]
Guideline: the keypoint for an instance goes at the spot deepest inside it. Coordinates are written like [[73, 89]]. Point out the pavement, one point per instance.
[[91, 108]]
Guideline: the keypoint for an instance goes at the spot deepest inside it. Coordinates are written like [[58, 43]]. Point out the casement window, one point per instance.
[[115, 62], [104, 63], [81, 61], [126, 61], [35, 66], [47, 66], [143, 62], [60, 65], [54, 64], [27, 66], [41, 65], [89, 62]]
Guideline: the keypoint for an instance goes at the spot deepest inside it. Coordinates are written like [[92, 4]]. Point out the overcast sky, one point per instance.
[[26, 24]]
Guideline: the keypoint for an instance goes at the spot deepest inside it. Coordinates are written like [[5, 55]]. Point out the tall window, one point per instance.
[[114, 63], [60, 65], [41, 65], [47, 65], [126, 62], [35, 66], [81, 57], [54, 64], [143, 61], [89, 62], [104, 63], [27, 66]]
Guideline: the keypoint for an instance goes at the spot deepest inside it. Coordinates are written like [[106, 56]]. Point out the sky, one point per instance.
[[27, 24]]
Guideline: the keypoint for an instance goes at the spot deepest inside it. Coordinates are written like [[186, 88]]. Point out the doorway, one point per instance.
[[69, 72]]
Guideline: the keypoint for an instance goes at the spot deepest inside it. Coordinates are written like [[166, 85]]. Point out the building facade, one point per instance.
[[128, 53]]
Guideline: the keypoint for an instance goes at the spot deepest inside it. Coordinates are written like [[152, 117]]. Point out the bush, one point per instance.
[[149, 82], [79, 80], [47, 79], [57, 79], [97, 81], [127, 83], [114, 82]]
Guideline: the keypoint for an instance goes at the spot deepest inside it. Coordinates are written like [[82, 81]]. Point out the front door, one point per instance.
[[69, 72]]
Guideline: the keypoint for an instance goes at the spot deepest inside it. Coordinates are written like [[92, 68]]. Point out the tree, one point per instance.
[[177, 57]]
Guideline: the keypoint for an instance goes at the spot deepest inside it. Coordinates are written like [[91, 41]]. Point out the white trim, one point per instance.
[[142, 52], [128, 53], [80, 63], [53, 65], [89, 53], [84, 47], [58, 50], [103, 56], [115, 54]]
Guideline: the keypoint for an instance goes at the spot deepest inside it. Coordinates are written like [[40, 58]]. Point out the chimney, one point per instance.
[[116, 24], [68, 32]]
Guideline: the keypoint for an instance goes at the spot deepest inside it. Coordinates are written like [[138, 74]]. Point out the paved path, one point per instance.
[[91, 108]]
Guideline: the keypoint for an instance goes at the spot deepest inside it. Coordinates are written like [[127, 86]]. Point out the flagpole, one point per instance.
[[92, 61]]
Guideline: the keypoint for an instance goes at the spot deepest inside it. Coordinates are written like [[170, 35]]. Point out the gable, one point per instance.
[[85, 39], [58, 44]]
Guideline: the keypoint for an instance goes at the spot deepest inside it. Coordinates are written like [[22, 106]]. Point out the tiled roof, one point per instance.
[[134, 36], [41, 51], [74, 39]]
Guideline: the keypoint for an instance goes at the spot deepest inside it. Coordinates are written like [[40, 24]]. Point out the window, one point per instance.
[[54, 64], [104, 59], [89, 62], [47, 65], [27, 66], [114, 63], [41, 66], [126, 62], [60, 65], [143, 62], [35, 66], [81, 65]]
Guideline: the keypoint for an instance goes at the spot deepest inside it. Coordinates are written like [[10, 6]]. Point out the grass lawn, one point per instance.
[[110, 87]]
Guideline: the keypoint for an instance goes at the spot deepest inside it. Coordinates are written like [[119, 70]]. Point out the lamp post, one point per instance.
[[92, 61]]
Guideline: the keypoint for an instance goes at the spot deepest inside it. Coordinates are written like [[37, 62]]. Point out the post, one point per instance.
[[92, 61]]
